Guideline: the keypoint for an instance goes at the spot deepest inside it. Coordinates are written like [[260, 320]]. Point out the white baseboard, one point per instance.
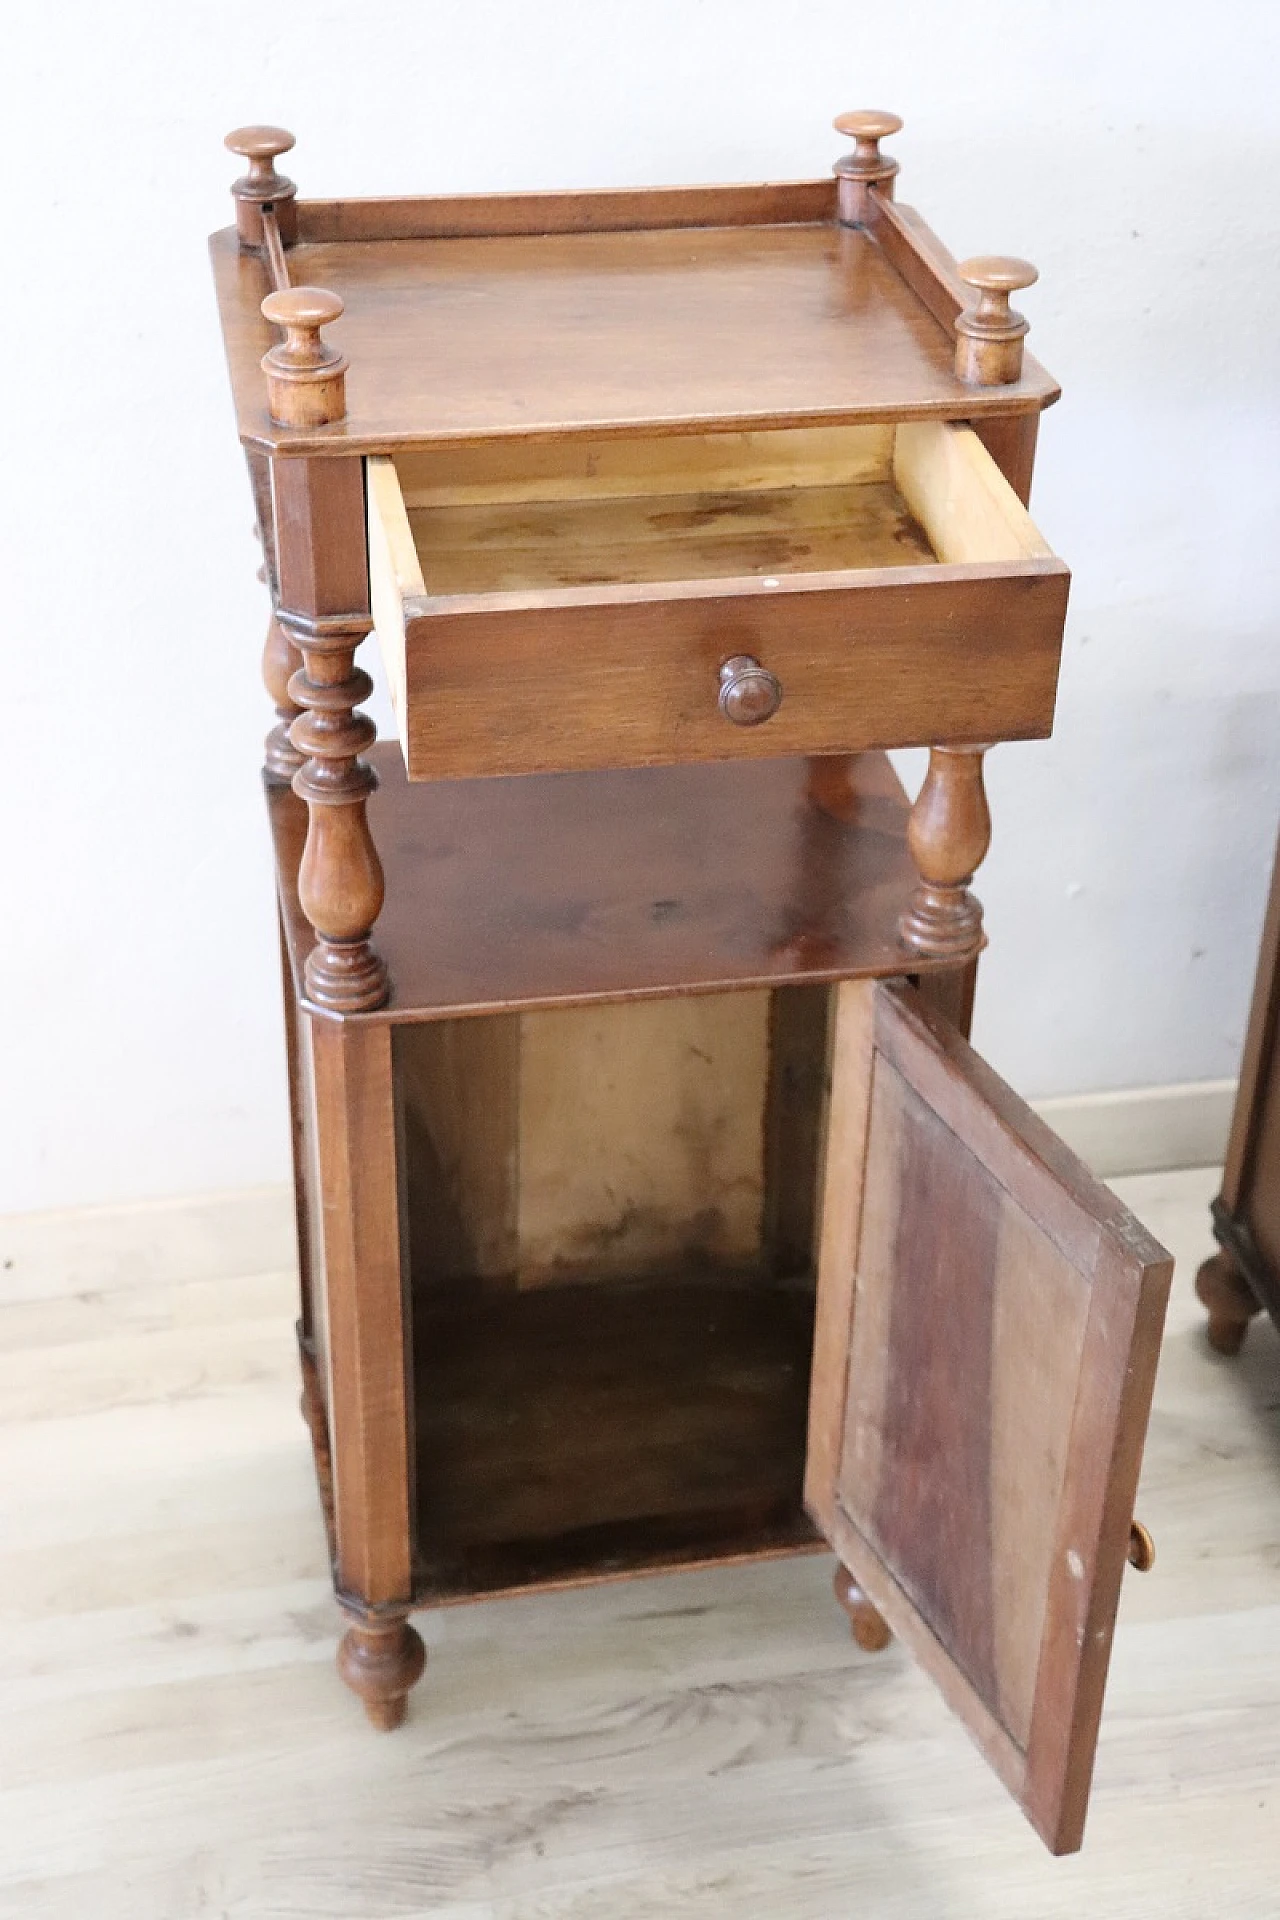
[[208, 1235], [1145, 1129]]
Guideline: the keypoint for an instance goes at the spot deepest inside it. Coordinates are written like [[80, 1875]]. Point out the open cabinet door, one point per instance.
[[989, 1320]]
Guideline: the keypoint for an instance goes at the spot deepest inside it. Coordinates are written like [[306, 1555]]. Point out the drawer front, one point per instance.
[[910, 657], [578, 606]]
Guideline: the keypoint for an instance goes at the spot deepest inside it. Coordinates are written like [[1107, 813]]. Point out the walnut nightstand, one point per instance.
[[653, 1209]]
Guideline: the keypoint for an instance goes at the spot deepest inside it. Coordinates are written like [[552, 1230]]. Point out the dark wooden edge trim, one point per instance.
[[1259, 1047], [273, 246], [1128, 1297], [345, 437], [609, 210], [994, 1119], [840, 1226]]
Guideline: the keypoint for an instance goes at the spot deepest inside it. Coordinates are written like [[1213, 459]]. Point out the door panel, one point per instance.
[[989, 1319]]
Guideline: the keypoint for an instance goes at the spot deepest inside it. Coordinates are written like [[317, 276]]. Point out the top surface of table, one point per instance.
[[742, 321]]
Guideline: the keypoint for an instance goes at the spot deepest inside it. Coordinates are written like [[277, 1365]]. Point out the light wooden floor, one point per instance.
[[174, 1743]]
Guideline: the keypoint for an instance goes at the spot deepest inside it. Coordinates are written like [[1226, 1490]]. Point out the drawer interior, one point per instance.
[[488, 518]]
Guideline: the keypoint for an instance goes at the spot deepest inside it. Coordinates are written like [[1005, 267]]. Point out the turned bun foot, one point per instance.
[[869, 1628], [381, 1659], [1222, 1288]]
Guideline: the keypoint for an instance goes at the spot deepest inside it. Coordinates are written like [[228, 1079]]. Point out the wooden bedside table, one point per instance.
[[652, 1208], [1244, 1277]]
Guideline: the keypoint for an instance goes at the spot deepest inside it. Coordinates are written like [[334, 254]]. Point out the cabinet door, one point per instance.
[[989, 1320]]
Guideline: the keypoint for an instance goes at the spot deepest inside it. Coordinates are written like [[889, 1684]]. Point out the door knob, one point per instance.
[[1142, 1548], [749, 693]]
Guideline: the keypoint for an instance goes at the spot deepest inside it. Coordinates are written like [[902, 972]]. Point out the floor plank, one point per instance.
[[176, 1746]]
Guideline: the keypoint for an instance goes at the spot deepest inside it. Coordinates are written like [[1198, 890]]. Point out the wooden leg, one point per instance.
[[370, 1411], [948, 833], [381, 1658], [869, 1629], [1222, 1288]]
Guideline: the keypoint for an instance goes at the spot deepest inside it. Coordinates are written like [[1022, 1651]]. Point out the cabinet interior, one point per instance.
[[610, 1215], [490, 518]]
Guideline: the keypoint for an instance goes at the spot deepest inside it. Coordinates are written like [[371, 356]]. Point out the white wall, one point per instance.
[[1129, 149]]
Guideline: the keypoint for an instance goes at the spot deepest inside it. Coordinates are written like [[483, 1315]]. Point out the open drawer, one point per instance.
[[549, 607], [988, 1324]]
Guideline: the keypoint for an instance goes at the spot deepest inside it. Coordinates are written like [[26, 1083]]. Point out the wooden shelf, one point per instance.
[[589, 1431], [560, 889], [712, 307]]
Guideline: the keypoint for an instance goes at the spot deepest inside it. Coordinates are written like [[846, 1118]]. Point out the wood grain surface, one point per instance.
[[571, 888], [988, 1325], [592, 1142], [548, 619], [590, 1429]]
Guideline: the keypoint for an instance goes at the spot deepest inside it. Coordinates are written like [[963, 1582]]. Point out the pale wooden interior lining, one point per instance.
[[394, 575], [642, 1136], [490, 517], [702, 536], [489, 473], [590, 1143], [960, 497]]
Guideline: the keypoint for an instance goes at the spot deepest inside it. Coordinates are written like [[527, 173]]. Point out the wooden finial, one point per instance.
[[866, 166], [948, 834], [989, 336], [262, 186], [306, 379]]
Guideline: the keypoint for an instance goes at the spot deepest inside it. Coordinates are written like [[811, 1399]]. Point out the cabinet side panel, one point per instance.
[[459, 1083]]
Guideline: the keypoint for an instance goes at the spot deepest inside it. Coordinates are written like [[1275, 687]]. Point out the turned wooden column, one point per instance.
[[948, 833], [866, 167], [280, 661], [323, 614]]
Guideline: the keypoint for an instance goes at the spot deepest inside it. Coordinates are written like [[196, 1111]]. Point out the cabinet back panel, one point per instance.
[[618, 1141]]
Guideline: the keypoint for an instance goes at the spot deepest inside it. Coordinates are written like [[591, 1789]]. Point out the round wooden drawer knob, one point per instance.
[[749, 693]]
